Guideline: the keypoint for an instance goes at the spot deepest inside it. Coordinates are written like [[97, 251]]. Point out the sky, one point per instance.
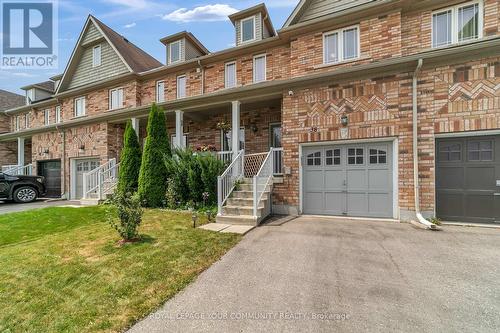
[[144, 23]]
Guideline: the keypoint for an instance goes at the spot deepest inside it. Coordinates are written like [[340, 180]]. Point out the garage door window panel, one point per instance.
[[450, 152], [314, 159], [333, 157], [480, 151], [355, 156], [378, 156]]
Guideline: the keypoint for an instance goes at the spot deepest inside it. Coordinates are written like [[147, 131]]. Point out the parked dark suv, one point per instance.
[[21, 189]]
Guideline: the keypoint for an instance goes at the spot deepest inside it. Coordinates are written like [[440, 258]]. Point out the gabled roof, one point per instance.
[[338, 6], [10, 100], [260, 8], [135, 59], [47, 86], [190, 37]]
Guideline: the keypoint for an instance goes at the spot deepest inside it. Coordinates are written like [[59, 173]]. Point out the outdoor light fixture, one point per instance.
[[344, 120], [46, 151], [82, 149], [254, 128], [195, 218]]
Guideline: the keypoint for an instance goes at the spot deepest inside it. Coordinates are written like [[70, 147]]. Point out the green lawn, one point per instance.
[[62, 270]]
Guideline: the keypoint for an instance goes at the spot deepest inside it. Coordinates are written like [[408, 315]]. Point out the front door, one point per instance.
[[275, 140], [82, 167], [51, 170]]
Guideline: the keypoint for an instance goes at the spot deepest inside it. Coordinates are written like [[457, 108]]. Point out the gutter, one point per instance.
[[420, 218]]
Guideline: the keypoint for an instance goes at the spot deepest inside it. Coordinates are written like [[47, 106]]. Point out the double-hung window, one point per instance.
[[457, 24], [160, 91], [96, 56], [27, 120], [79, 106], [230, 75], [247, 29], [58, 114], [341, 45], [17, 123], [46, 117], [181, 86], [175, 52], [259, 68], [116, 98]]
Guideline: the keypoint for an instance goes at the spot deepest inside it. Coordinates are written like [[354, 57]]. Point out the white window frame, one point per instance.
[[96, 61], [84, 111], [226, 65], [26, 120], [46, 117], [264, 55], [160, 93], [17, 123], [181, 94], [58, 114], [454, 23], [170, 52], [340, 40], [30, 96], [254, 29], [121, 98]]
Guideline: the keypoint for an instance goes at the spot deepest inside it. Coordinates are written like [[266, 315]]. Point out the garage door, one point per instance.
[[348, 180], [51, 170], [468, 179]]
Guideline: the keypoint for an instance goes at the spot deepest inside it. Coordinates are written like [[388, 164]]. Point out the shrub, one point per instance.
[[129, 211], [193, 179], [153, 173], [130, 162]]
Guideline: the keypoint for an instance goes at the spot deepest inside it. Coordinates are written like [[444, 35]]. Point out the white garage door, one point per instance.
[[348, 180]]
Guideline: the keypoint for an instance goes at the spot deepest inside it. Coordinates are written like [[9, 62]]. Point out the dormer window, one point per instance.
[[175, 52], [248, 29], [96, 56], [30, 96]]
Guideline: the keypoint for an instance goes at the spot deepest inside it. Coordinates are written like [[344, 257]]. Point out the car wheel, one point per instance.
[[25, 194]]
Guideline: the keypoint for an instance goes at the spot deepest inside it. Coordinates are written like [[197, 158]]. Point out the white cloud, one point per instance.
[[23, 74], [130, 25], [138, 4], [282, 3], [208, 13]]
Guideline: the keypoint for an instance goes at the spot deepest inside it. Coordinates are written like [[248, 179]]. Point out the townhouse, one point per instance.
[[382, 108]]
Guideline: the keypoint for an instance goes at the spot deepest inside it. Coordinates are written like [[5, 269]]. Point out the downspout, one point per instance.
[[416, 184], [63, 162]]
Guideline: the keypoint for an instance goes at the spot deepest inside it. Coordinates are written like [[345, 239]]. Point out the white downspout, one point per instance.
[[416, 184]]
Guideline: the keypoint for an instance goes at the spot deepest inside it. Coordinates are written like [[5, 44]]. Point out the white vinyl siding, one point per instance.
[[79, 106], [341, 45], [457, 24], [230, 75], [116, 98], [247, 29], [175, 52], [46, 117], [96, 56], [181, 86], [58, 114], [259, 68], [160, 91]]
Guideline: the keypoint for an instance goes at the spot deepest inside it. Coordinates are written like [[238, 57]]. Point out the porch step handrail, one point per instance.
[[227, 181], [261, 181], [94, 180], [20, 170]]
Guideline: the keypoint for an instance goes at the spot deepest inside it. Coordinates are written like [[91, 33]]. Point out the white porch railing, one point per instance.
[[253, 163], [225, 156], [101, 181], [277, 161], [19, 170], [8, 167], [261, 181], [227, 181]]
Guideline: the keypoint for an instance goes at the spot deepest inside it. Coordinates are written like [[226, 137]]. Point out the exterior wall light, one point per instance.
[[344, 120], [82, 149]]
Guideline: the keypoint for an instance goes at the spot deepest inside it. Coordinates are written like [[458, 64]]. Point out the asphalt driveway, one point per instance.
[[323, 275], [11, 207]]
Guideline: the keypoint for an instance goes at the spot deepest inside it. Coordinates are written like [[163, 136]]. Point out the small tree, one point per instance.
[[130, 162], [129, 210], [153, 174]]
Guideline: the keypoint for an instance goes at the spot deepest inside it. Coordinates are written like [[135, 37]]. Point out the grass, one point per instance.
[[62, 270]]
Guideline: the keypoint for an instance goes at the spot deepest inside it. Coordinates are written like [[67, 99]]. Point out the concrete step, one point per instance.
[[237, 220], [249, 187], [243, 201], [241, 210], [245, 194]]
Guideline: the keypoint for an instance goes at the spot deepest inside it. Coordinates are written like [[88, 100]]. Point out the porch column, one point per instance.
[[235, 127], [179, 128], [20, 151], [135, 125]]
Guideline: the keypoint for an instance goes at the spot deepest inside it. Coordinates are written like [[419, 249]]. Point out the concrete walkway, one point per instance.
[[11, 207], [324, 275]]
